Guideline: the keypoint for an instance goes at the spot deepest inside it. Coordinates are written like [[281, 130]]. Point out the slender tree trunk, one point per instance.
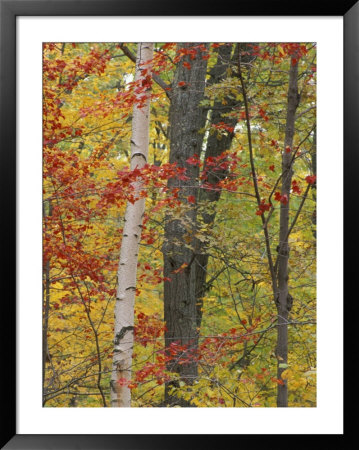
[[125, 298], [313, 156], [186, 118], [45, 325], [226, 60], [284, 299], [46, 309]]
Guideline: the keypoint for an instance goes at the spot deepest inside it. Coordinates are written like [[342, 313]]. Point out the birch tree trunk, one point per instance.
[[127, 269]]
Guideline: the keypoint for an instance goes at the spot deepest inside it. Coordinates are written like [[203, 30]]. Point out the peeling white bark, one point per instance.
[[127, 269]]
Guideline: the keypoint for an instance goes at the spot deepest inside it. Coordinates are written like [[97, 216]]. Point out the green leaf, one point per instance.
[[283, 366]]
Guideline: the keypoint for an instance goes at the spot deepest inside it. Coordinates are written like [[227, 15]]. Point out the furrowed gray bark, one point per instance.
[[284, 299], [186, 120], [190, 286], [127, 270]]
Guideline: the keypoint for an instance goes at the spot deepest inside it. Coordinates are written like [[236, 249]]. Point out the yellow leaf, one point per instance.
[[281, 51], [286, 374]]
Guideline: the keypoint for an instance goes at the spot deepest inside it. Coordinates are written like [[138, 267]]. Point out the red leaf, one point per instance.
[[284, 199], [122, 381], [191, 199], [310, 179], [193, 160], [281, 198], [295, 187], [264, 206]]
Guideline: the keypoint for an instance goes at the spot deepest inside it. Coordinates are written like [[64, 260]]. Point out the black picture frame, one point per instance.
[[9, 10]]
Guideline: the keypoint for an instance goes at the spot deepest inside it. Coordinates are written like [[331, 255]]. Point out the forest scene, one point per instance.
[[179, 224]]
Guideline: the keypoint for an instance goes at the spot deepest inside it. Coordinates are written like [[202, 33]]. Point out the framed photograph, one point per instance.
[[174, 200]]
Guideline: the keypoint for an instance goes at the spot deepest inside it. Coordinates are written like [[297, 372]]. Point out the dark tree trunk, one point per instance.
[[214, 147], [284, 299], [183, 296], [186, 118], [46, 309], [313, 156], [227, 60]]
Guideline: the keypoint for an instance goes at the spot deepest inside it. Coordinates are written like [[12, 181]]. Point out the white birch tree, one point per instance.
[[127, 269]]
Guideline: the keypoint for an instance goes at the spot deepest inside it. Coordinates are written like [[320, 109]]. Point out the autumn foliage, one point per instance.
[[88, 96]]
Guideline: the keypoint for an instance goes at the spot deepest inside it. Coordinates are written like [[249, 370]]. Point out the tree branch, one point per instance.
[[254, 176], [157, 79]]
